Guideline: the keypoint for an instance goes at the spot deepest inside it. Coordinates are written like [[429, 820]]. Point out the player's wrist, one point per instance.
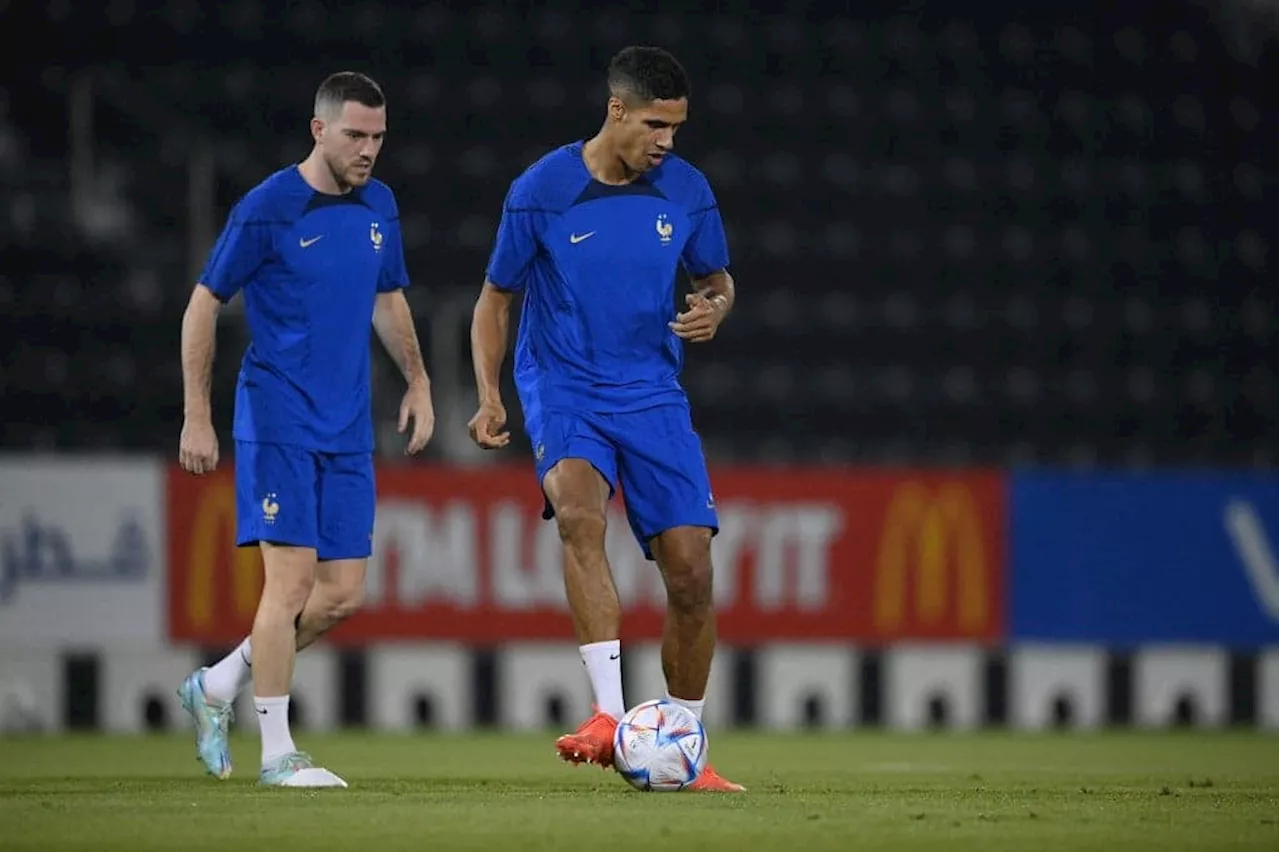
[[197, 413]]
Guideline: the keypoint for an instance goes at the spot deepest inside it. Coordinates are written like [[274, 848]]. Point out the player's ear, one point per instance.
[[617, 109], [317, 129]]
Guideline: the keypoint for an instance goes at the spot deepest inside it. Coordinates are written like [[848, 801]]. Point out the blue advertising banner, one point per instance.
[[1127, 559]]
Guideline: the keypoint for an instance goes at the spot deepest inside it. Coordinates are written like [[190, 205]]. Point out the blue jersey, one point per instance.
[[597, 266], [311, 266]]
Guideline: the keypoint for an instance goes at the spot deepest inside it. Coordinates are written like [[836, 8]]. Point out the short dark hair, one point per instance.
[[647, 73], [345, 86]]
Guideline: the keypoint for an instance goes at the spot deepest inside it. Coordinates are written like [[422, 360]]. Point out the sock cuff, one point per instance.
[[607, 645], [691, 703], [272, 701]]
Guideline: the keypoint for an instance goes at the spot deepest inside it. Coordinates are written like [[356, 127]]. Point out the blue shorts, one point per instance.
[[295, 496], [654, 454]]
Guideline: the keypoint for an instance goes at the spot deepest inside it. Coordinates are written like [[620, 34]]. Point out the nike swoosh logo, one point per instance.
[[312, 241], [574, 239]]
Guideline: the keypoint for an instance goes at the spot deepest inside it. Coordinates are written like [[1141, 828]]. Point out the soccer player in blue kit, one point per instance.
[[316, 250], [591, 236]]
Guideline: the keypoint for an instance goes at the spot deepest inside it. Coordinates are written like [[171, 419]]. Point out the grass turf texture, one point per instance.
[[864, 791]]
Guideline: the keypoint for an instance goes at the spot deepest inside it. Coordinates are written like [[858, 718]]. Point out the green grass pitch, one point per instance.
[[810, 792]]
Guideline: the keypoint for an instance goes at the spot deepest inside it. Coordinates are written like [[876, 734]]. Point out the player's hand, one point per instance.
[[486, 427], [416, 406], [700, 322], [198, 447]]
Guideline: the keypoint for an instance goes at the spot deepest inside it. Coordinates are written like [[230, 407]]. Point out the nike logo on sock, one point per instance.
[[614, 656], [262, 711]]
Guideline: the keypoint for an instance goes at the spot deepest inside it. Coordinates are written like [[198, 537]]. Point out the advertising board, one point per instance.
[[81, 550], [801, 554], [1130, 559]]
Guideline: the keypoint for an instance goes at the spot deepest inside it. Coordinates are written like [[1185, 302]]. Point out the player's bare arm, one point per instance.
[[489, 326], [393, 322], [709, 303], [198, 445]]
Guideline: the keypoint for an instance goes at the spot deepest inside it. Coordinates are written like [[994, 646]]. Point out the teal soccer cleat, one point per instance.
[[296, 770], [211, 718]]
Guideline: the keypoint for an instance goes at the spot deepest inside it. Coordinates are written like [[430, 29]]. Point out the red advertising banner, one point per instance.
[[866, 556]]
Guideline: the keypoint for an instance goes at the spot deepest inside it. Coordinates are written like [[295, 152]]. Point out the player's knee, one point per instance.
[[289, 591], [581, 527], [686, 566], [345, 601], [290, 577], [689, 585]]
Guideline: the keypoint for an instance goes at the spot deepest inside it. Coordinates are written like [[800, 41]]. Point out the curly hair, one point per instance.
[[647, 74]]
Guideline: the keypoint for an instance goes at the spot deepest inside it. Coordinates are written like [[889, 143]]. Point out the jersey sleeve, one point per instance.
[[516, 243], [242, 248], [707, 249], [394, 275]]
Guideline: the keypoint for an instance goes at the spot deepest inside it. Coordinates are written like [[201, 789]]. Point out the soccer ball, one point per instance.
[[660, 745]]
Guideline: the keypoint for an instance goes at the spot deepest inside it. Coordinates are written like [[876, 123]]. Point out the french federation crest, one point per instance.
[[375, 236], [664, 228], [270, 508]]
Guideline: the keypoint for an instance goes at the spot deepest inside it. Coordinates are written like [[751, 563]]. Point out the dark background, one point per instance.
[[963, 233]]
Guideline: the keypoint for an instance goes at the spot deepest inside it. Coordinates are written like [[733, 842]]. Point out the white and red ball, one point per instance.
[[660, 745]]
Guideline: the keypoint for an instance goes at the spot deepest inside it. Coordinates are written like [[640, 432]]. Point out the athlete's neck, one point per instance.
[[316, 172], [604, 163]]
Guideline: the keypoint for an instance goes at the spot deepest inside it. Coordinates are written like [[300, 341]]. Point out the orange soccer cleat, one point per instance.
[[591, 743], [711, 781]]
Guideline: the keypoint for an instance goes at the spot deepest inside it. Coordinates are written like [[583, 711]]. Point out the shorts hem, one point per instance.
[[278, 542], [308, 446], [329, 557], [648, 537]]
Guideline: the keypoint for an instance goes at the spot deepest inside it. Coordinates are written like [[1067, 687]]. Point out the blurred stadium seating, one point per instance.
[[996, 236]]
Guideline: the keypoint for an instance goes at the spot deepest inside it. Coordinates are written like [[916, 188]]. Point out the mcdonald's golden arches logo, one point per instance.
[[211, 546], [932, 571]]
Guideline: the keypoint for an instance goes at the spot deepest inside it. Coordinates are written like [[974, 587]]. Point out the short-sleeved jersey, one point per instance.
[[597, 266], [311, 266]]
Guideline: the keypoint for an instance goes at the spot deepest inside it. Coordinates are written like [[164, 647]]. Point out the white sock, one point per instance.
[[273, 722], [226, 678], [694, 707], [604, 667]]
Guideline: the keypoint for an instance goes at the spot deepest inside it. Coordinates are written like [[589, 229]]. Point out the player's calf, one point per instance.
[[593, 600], [289, 577], [688, 643], [290, 574], [337, 595], [578, 496]]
